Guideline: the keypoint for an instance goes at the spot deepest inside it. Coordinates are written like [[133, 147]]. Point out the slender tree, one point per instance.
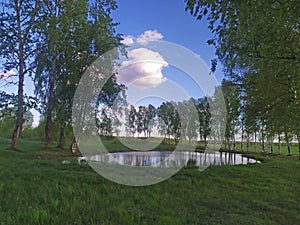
[[231, 94], [17, 46], [150, 119], [204, 115]]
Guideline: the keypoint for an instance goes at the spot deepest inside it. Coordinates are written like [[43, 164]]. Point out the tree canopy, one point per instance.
[[258, 43]]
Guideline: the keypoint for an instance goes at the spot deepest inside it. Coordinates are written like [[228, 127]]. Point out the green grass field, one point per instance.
[[37, 188]]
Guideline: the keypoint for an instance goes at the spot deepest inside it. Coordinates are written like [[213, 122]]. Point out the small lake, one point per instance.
[[171, 159]]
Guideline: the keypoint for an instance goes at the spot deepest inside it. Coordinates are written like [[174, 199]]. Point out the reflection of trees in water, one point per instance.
[[167, 159]]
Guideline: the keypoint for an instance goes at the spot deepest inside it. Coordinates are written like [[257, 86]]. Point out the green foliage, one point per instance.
[[131, 120], [8, 108], [169, 120], [204, 115], [25, 11], [258, 45], [73, 35], [232, 99], [105, 124], [7, 126]]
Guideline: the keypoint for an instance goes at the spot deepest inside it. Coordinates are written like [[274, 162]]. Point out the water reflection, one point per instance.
[[169, 159]]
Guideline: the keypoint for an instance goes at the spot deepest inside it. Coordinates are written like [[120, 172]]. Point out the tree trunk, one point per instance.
[[242, 140], [248, 146], [279, 145], [288, 147], [263, 145], [19, 122], [61, 144], [298, 136], [262, 141], [270, 146], [255, 142], [272, 151], [234, 143], [248, 142], [287, 142], [50, 99]]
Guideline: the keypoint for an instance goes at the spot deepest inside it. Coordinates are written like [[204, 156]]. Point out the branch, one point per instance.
[[258, 56], [31, 20], [29, 69], [33, 51], [7, 83]]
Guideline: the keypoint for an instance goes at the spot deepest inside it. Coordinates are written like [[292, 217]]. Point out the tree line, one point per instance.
[[171, 120]]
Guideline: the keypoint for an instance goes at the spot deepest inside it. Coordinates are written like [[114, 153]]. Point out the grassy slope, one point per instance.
[[36, 188]]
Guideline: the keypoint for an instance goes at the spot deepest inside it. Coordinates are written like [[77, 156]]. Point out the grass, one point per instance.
[[37, 188]]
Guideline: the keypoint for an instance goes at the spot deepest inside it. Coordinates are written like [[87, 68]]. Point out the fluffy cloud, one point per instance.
[[149, 35], [143, 69], [128, 40], [144, 38]]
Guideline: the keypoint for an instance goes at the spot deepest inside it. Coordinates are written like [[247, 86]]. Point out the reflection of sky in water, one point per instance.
[[167, 159]]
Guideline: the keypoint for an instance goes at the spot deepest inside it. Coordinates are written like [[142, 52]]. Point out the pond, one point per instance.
[[170, 159]]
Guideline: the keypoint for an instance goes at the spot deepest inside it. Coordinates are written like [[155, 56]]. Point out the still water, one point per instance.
[[170, 159]]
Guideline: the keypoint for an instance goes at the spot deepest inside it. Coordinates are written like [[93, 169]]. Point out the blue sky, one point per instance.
[[170, 19], [167, 20]]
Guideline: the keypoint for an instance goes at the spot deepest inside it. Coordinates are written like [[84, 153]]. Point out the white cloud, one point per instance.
[[6, 74], [144, 38], [143, 70], [149, 35], [128, 40]]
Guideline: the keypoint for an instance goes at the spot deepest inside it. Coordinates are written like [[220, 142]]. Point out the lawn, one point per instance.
[[37, 188]]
